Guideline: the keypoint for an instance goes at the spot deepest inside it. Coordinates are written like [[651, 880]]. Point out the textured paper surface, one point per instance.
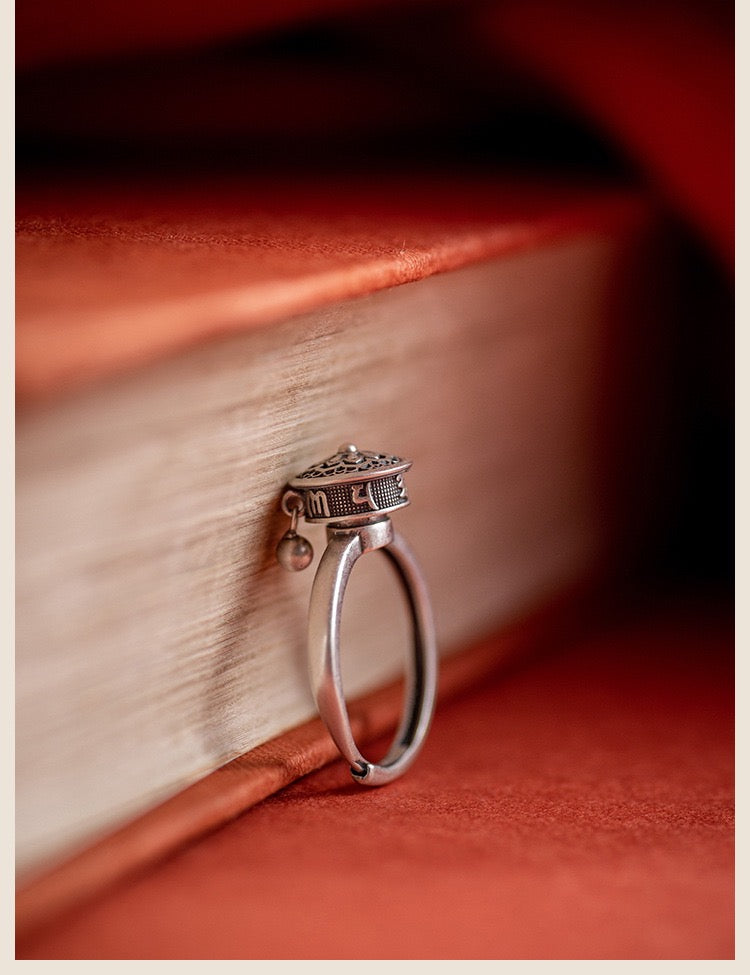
[[157, 637]]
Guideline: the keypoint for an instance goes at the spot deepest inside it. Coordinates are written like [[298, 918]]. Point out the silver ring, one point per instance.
[[335, 492], [345, 546]]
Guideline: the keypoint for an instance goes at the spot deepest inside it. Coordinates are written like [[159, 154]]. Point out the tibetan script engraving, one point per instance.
[[317, 504], [366, 498]]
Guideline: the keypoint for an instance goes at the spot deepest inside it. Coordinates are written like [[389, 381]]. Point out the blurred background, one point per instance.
[[636, 94], [126, 105]]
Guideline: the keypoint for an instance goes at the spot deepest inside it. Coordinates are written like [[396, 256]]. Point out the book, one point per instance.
[[183, 353]]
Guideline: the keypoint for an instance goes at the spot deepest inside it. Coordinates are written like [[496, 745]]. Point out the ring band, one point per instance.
[[345, 546]]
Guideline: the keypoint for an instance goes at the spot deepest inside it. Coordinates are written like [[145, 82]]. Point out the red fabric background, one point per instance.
[[656, 76], [578, 807]]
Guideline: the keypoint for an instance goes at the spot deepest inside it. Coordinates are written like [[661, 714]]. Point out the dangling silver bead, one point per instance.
[[294, 552]]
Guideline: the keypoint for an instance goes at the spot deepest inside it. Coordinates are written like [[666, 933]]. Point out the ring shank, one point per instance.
[[345, 546]]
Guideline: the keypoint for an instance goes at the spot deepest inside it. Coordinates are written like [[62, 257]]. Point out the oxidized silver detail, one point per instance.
[[331, 503], [351, 484], [347, 463], [352, 493], [316, 505]]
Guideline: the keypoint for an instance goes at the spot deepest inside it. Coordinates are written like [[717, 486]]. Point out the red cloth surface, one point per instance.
[[579, 806]]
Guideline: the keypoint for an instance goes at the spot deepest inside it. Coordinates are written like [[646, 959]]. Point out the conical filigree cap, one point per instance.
[[349, 463], [352, 483]]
